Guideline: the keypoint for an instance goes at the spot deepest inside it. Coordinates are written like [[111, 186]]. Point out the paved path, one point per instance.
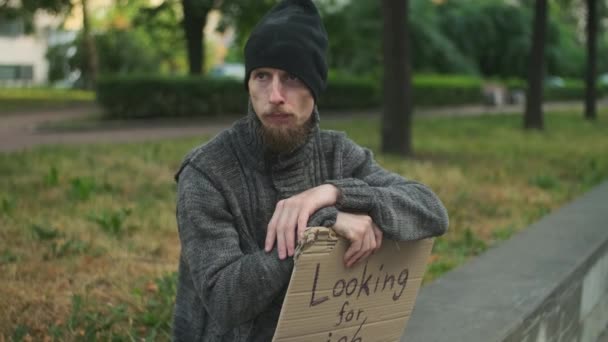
[[20, 131]]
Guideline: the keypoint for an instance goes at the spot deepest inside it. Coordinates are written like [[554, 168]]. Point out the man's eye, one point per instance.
[[260, 75], [293, 80]]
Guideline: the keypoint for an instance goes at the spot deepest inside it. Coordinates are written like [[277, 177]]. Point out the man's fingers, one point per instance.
[[281, 245], [302, 225], [356, 257], [371, 237], [364, 257], [290, 238], [271, 235], [363, 247], [355, 246], [379, 236], [271, 231], [285, 227], [367, 247]]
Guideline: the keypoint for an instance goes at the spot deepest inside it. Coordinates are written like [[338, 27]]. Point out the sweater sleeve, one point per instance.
[[403, 209], [234, 287]]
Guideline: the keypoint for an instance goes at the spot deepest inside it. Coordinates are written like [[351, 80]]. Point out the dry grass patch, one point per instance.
[[88, 240]]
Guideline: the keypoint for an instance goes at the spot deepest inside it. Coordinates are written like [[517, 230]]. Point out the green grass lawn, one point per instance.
[[28, 99], [88, 241]]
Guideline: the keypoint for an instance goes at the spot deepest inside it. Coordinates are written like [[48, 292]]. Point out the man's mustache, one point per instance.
[[277, 112]]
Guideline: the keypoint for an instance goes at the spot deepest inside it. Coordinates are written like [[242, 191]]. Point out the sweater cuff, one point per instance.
[[281, 268], [355, 195], [324, 217]]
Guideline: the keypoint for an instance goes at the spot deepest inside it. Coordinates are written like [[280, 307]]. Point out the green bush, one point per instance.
[[45, 94], [158, 96], [23, 99], [350, 93], [602, 89], [442, 90], [161, 96], [572, 89]]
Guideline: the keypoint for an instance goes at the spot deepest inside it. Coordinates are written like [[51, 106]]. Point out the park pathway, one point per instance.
[[23, 130], [19, 131]]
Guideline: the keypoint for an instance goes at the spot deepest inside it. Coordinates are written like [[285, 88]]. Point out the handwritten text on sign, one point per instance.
[[368, 284]]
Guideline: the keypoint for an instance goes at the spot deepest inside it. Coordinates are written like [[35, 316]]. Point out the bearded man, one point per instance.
[[246, 196]]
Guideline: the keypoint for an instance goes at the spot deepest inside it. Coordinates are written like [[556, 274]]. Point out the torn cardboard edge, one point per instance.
[[371, 301]]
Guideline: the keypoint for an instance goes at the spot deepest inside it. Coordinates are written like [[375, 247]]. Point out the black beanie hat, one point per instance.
[[290, 37]]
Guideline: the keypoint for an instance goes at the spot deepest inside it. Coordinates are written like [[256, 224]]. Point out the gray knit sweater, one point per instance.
[[229, 288]]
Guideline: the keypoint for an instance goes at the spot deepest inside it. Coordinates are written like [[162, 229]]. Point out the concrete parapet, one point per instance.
[[547, 283]]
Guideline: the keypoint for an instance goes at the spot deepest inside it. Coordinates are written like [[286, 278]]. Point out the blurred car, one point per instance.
[[602, 80], [228, 70], [555, 82]]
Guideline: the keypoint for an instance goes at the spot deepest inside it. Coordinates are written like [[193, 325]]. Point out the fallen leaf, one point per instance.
[[152, 287]]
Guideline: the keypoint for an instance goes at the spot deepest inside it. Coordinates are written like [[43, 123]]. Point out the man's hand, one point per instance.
[[364, 235], [291, 216]]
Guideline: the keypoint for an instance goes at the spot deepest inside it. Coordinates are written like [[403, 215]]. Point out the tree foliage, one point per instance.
[[159, 27], [26, 9], [243, 15], [490, 38]]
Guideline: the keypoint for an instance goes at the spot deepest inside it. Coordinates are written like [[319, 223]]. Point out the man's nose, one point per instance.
[[276, 92]]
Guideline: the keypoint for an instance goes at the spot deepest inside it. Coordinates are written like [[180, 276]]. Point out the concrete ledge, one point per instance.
[[547, 283]]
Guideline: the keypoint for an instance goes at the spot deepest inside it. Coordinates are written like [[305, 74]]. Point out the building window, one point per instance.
[[16, 72], [11, 27]]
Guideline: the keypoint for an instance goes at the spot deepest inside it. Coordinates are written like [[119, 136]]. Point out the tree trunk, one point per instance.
[[195, 18], [533, 117], [396, 119], [590, 92], [92, 65]]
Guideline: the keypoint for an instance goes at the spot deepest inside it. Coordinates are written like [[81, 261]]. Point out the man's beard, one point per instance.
[[286, 139]]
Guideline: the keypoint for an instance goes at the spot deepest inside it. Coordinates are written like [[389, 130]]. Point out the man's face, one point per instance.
[[284, 105]]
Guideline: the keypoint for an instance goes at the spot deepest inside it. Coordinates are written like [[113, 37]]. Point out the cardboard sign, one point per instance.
[[372, 301]]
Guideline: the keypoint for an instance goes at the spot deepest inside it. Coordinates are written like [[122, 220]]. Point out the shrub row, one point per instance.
[[162, 96], [45, 94], [24, 99], [345, 93], [158, 96], [442, 90], [570, 90]]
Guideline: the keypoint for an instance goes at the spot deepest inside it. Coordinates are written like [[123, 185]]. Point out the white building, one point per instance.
[[22, 56]]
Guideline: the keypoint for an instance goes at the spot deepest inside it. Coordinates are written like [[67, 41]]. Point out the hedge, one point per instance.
[[350, 93], [570, 91], [27, 99], [163, 96], [446, 90], [160, 96]]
